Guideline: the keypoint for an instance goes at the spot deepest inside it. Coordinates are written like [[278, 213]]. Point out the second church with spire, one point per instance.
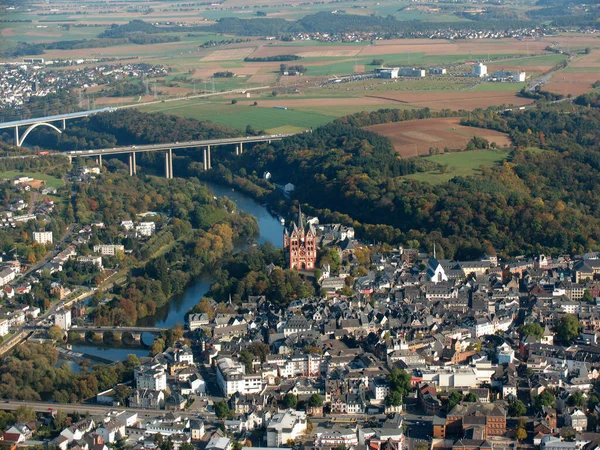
[[300, 245]]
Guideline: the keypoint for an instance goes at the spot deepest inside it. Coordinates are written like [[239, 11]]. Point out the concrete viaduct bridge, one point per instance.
[[124, 335], [48, 121], [206, 145], [168, 148]]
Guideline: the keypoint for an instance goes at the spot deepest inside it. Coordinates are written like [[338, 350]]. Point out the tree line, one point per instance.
[[539, 201]]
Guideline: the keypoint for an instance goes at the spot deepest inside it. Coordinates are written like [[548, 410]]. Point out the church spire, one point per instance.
[[300, 222]]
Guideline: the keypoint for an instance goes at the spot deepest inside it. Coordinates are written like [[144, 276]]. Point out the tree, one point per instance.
[[290, 401], [221, 409], [24, 414], [315, 401], [60, 420], [55, 332], [587, 296], [158, 346], [470, 397], [453, 399], [246, 359], [259, 350], [399, 381], [546, 398], [521, 434], [567, 433], [568, 328], [234, 101], [532, 329], [394, 398], [593, 400], [576, 399], [274, 93], [516, 408]]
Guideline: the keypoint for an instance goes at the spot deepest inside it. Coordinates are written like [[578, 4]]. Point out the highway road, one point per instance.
[[176, 145]]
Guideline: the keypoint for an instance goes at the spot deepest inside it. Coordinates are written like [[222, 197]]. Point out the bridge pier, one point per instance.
[[17, 136], [134, 164], [237, 150], [64, 124], [241, 148], [206, 158], [99, 160], [169, 164], [131, 164]]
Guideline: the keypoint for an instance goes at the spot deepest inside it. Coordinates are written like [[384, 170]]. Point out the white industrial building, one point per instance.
[[42, 237], [503, 75], [480, 70], [387, 72], [437, 71], [411, 72]]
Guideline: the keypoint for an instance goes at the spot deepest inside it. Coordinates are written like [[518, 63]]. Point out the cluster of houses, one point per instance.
[[443, 33], [19, 210], [165, 381], [34, 77], [452, 325]]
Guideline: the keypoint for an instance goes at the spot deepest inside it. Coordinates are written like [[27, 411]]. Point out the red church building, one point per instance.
[[300, 245]]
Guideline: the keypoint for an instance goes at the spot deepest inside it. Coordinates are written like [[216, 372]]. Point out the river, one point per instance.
[[270, 230]]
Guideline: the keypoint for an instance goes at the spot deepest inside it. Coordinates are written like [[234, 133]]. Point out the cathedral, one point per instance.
[[300, 245]]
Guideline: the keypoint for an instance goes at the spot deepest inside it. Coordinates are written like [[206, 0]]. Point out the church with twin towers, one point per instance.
[[300, 245]]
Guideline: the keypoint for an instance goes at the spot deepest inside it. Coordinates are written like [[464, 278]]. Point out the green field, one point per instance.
[[50, 180], [542, 60], [239, 116], [581, 69], [498, 87], [460, 164]]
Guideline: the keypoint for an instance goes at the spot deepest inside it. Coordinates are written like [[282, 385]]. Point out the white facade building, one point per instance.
[[42, 237], [480, 70], [3, 327], [62, 319], [108, 250], [146, 228], [151, 376], [284, 427], [232, 378], [6, 276], [97, 260]]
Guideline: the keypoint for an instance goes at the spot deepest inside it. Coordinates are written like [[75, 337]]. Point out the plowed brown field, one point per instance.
[[415, 137]]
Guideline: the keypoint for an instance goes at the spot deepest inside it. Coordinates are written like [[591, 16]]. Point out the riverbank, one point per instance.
[[173, 312]]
